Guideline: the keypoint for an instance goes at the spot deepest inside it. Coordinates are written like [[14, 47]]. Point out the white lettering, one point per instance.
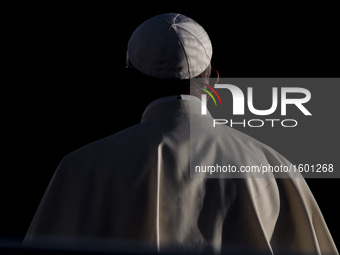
[[297, 101], [262, 112]]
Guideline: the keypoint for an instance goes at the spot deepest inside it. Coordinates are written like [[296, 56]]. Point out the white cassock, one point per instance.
[[135, 185]]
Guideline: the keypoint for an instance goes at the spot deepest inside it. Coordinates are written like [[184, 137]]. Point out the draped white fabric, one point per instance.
[[135, 185]]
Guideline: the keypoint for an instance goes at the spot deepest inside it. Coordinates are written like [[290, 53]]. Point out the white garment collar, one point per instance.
[[172, 98]]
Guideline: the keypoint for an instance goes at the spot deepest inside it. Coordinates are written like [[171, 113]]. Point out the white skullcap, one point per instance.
[[170, 46]]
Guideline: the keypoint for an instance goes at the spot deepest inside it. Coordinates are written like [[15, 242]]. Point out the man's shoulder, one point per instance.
[[108, 144], [237, 142]]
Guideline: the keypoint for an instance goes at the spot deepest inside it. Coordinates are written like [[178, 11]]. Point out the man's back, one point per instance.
[[136, 186]]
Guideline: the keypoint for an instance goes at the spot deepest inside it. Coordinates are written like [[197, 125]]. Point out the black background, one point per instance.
[[64, 81]]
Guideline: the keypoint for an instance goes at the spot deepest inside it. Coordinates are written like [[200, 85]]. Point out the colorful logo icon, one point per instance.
[[209, 93]]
